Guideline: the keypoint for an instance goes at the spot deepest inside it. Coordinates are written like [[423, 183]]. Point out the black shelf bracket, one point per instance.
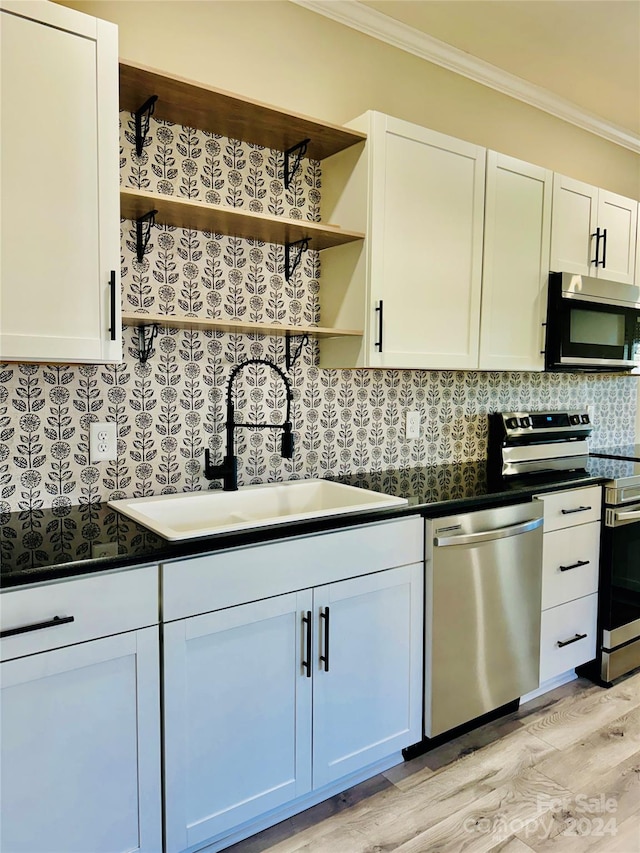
[[290, 359], [144, 224], [290, 168], [292, 259], [146, 336], [142, 117]]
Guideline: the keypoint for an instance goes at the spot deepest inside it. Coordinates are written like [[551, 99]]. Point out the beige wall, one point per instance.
[[280, 53]]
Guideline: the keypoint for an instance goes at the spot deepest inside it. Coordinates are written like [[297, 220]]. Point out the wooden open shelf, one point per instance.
[[237, 326], [197, 105], [233, 221]]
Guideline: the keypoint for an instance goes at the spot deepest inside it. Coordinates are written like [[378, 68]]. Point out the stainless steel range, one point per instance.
[[619, 601]]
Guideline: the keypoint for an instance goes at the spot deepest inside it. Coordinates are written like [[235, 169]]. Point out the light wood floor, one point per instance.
[[562, 775]]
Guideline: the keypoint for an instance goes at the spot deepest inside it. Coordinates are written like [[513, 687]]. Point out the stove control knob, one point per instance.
[[574, 419], [525, 422], [512, 423], [584, 419]]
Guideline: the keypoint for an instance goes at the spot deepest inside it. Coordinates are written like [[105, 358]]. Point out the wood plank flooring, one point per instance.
[[560, 775]]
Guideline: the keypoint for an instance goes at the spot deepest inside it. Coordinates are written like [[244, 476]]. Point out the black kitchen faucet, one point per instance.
[[228, 470]]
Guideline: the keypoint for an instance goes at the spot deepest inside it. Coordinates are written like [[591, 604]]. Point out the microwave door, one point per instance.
[[598, 335]]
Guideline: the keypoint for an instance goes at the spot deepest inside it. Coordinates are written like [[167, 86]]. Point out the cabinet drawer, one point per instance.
[[567, 509], [570, 560], [238, 576], [96, 606], [565, 623]]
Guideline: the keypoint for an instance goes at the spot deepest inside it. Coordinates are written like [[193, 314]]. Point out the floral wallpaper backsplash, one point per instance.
[[170, 408]]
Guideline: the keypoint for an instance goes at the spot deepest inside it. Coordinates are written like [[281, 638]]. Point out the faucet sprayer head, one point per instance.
[[286, 448]]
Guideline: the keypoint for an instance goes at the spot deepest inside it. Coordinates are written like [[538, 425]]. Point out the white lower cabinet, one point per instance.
[[237, 732], [570, 557], [80, 738], [567, 636], [270, 700]]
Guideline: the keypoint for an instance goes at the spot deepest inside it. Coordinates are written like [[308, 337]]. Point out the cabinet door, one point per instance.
[[367, 700], [60, 236], [619, 217], [574, 221], [517, 233], [80, 764], [237, 731], [425, 242]]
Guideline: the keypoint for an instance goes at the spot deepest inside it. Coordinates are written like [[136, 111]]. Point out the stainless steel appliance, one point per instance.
[[592, 325], [482, 597], [619, 601], [529, 443]]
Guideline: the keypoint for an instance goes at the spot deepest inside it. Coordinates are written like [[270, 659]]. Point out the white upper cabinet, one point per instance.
[[416, 286], [59, 190], [594, 231], [517, 233]]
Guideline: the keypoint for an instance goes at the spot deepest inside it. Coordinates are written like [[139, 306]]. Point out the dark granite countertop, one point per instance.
[[45, 544]]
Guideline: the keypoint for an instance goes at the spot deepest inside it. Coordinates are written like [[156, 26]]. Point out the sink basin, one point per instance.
[[191, 514]]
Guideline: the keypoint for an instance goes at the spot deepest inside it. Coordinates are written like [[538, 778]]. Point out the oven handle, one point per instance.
[[618, 517]]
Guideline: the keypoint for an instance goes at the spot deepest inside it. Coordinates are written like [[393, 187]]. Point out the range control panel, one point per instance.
[[529, 422]]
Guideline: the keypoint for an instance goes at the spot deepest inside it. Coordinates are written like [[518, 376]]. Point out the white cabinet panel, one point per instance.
[[571, 560], [237, 731], [80, 757], [568, 636], [60, 236], [517, 236], [618, 217], [571, 507], [96, 606], [367, 699]]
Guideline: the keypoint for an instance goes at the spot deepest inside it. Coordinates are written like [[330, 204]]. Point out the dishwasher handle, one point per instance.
[[488, 535]]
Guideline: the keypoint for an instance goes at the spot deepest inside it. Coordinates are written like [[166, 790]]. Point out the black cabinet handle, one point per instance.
[[112, 285], [325, 657], [306, 620], [577, 565], [577, 509], [562, 643], [597, 235], [604, 248], [378, 343], [50, 623]]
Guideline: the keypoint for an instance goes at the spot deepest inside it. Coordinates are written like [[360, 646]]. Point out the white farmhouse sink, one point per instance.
[[191, 514]]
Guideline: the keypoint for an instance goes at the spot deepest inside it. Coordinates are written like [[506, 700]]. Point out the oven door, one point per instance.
[[620, 589]]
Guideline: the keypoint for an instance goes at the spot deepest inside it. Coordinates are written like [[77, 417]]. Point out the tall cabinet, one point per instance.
[[419, 196], [517, 231], [60, 234]]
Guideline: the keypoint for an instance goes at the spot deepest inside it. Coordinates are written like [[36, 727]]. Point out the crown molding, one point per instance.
[[373, 23]]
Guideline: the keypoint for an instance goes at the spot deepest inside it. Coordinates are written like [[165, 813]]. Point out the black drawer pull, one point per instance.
[[577, 509], [325, 657], [306, 620], [562, 643], [577, 565], [113, 296], [378, 343], [50, 623]]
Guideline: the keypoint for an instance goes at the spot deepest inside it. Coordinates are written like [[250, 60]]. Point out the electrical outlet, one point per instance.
[[591, 411], [412, 424], [103, 443], [104, 549]]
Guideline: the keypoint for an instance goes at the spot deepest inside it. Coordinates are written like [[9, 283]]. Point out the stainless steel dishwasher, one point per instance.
[[482, 615]]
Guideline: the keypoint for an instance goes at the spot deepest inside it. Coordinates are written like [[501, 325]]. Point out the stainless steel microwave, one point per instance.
[[592, 324]]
